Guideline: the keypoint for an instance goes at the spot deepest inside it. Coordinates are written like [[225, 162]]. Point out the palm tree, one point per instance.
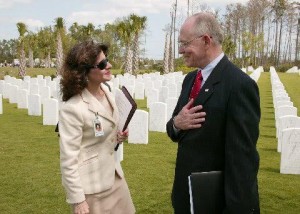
[[45, 43], [166, 54], [22, 28], [74, 31], [124, 32], [30, 39], [60, 31], [171, 56], [89, 30], [109, 36], [138, 25]]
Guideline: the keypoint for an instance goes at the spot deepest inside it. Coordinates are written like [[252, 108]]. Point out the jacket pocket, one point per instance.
[[89, 158]]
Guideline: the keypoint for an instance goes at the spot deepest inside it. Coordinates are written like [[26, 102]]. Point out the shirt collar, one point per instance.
[[210, 67]]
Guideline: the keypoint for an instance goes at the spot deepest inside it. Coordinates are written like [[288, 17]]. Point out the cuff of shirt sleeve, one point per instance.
[[174, 128]]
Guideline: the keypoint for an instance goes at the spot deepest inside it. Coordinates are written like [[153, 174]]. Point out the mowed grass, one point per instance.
[[30, 180]]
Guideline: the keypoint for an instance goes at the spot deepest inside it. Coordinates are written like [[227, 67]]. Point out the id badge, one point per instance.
[[98, 127]]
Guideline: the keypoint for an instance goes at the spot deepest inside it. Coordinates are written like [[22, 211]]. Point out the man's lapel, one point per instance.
[[209, 86]]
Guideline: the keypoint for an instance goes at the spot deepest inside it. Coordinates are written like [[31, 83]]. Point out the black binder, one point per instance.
[[207, 192]]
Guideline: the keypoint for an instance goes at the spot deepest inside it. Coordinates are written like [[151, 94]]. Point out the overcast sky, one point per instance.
[[40, 13]]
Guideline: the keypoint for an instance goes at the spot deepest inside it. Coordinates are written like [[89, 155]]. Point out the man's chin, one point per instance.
[[187, 63]]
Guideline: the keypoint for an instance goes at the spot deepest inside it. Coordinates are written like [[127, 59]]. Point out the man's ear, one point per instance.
[[206, 39]]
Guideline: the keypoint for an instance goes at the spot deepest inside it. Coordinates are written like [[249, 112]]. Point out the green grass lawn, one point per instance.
[[30, 175]]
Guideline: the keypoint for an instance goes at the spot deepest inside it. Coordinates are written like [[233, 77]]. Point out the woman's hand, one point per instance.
[[81, 208], [122, 136]]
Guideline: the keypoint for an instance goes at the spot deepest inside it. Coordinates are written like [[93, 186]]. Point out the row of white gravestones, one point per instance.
[[256, 73], [140, 86], [282, 104], [36, 85], [18, 93], [287, 127]]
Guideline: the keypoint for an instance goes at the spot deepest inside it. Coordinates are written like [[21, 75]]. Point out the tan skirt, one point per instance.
[[116, 200]]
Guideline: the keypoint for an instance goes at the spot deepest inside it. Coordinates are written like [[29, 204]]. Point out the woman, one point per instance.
[[93, 181]]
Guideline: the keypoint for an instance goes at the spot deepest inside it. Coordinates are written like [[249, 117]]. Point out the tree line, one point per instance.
[[258, 33], [122, 36], [263, 32]]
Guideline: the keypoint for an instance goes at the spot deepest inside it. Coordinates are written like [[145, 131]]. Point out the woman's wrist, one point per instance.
[[76, 204]]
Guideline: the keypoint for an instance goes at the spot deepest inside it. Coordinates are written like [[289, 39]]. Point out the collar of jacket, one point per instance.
[[97, 108]]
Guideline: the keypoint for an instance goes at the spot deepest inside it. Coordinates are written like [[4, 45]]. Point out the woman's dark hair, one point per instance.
[[76, 66]]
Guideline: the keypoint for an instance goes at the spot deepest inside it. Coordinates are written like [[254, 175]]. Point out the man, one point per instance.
[[216, 129]]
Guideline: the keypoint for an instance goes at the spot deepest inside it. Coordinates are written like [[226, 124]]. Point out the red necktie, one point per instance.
[[197, 85]]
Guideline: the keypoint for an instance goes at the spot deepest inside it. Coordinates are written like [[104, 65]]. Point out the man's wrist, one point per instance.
[[177, 129]]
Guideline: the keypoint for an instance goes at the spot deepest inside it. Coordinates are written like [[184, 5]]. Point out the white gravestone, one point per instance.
[[285, 122], [179, 87], [26, 78], [130, 89], [138, 127], [48, 79], [163, 94], [34, 105], [116, 82], [6, 90], [52, 85], [42, 83], [171, 104], [13, 96], [18, 82], [157, 84], [50, 111], [33, 81], [40, 77], [25, 85], [139, 91], [2, 82], [152, 97], [290, 151], [45, 93], [282, 111], [172, 90], [1, 104], [34, 89], [119, 154], [148, 86], [280, 98], [284, 103], [23, 99], [158, 117]]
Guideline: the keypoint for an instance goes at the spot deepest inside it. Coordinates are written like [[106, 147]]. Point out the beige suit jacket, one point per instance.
[[87, 162]]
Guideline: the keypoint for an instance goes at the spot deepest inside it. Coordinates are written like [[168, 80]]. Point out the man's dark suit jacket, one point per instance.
[[226, 141]]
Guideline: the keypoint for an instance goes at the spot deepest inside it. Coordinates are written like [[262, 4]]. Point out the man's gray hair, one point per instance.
[[206, 23]]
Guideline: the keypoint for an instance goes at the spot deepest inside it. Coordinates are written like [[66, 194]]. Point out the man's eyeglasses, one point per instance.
[[186, 44], [102, 65]]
